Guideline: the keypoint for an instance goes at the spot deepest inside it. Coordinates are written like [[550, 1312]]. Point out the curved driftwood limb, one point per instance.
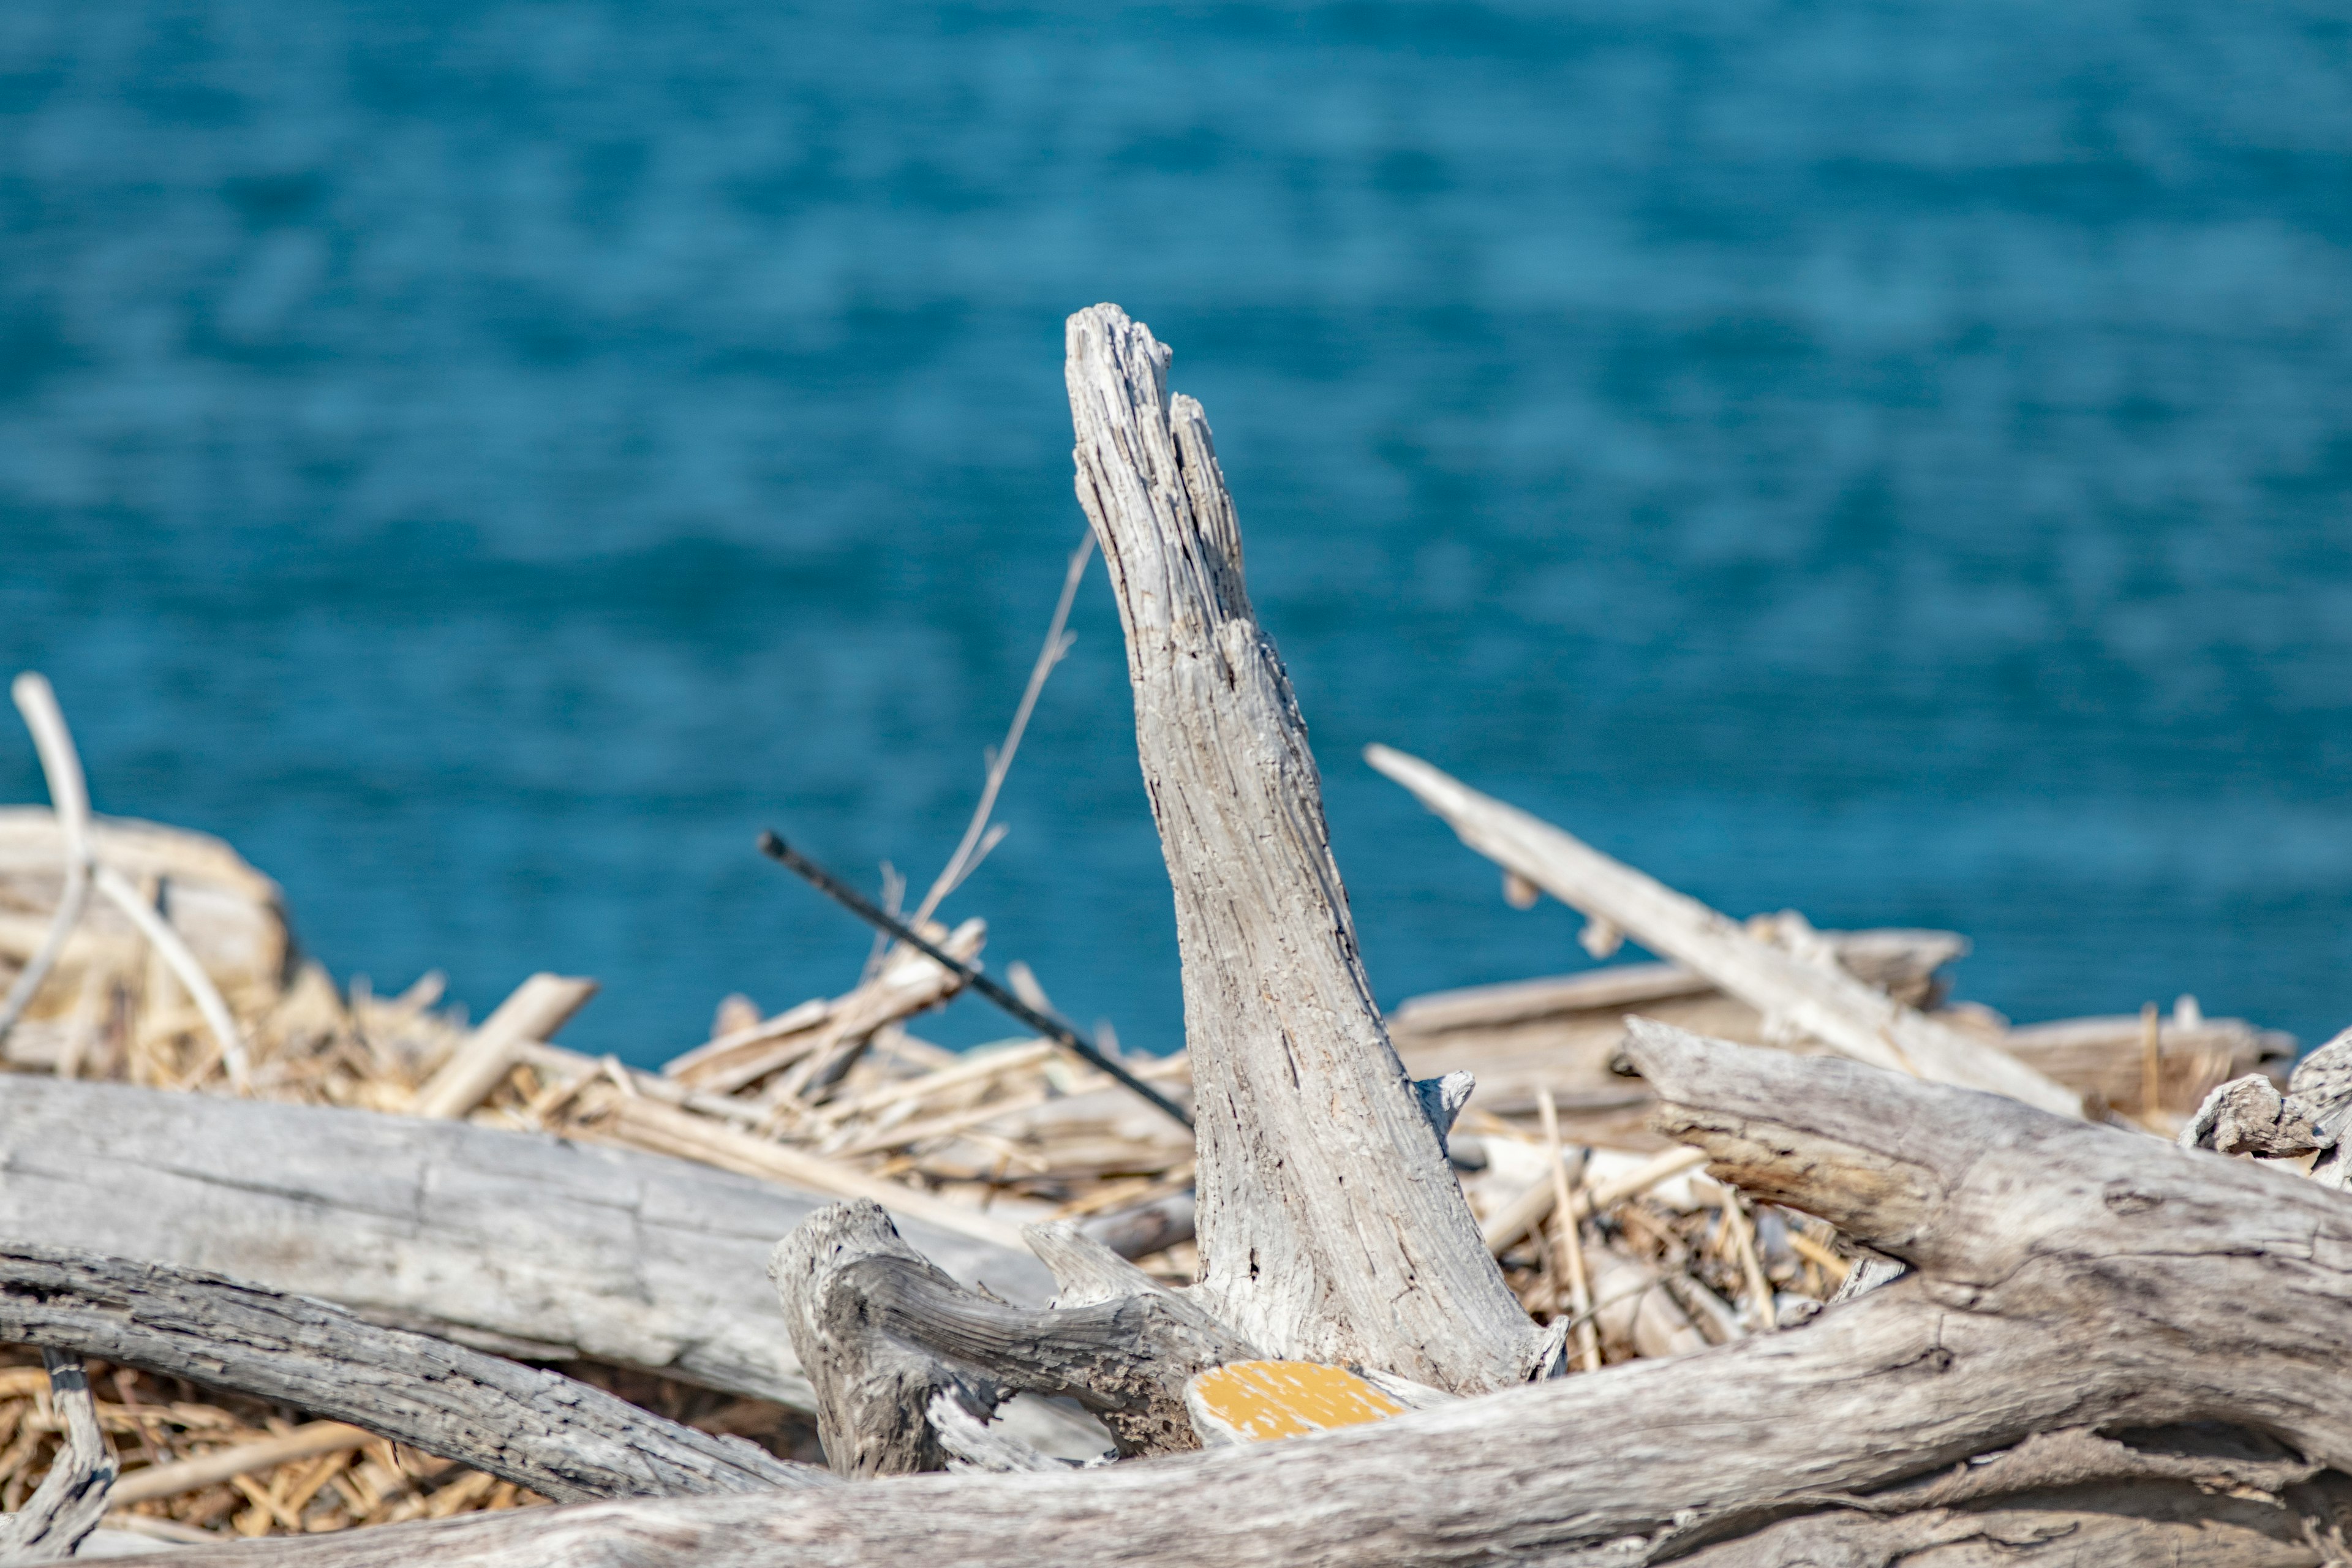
[[561, 1438], [883, 1333], [1330, 1226], [72, 1499], [2130, 1525], [70, 798], [1811, 996], [2064, 1276], [839, 1273]]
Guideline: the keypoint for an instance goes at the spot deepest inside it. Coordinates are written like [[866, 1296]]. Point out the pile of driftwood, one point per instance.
[[1764, 1254]]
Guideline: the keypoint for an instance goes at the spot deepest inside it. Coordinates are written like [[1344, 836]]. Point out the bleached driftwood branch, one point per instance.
[[1817, 998], [1330, 1223], [2065, 1276], [561, 1438], [70, 798]]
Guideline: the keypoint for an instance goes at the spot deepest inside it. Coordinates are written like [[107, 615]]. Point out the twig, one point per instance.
[[1571, 1235], [858, 904], [535, 1009], [70, 798], [72, 1499], [1527, 1211], [117, 890], [977, 838], [1742, 1237], [206, 1470]]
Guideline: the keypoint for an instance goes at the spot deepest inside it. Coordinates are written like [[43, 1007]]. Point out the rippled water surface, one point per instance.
[[1891, 459]]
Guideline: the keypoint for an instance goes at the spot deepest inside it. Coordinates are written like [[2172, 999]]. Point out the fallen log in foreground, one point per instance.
[[514, 1243], [560, 1437], [2067, 1280]]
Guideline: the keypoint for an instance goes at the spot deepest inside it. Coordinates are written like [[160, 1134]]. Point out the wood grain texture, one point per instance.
[[1330, 1223], [561, 1438], [2063, 1276], [883, 1333], [1816, 998], [515, 1243]]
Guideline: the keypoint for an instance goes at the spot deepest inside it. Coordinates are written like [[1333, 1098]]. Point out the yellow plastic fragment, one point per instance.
[[1259, 1401]]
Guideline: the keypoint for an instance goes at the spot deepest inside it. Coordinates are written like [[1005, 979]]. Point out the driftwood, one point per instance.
[[2101, 1347], [1560, 1032], [1330, 1223], [69, 801], [2065, 1278], [560, 1437], [513, 1243], [1802, 993], [883, 1333]]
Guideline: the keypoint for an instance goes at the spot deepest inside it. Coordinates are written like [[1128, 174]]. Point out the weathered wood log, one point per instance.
[[72, 1499], [561, 1438], [1815, 998], [1331, 1225], [2196, 1495], [2064, 1276], [515, 1243], [883, 1333]]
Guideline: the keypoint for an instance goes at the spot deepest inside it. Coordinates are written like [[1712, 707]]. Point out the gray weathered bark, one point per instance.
[[883, 1333], [538, 1429], [520, 1244], [2065, 1276], [1331, 1225]]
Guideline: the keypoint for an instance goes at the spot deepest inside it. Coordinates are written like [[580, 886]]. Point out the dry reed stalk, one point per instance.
[[1570, 1229]]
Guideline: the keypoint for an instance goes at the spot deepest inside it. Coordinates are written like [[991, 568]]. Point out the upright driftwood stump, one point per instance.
[[1330, 1226]]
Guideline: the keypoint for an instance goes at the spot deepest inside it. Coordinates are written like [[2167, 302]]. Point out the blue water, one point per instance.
[[1890, 460]]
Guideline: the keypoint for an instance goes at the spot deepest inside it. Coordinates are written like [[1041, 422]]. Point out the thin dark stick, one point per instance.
[[1052, 1028]]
